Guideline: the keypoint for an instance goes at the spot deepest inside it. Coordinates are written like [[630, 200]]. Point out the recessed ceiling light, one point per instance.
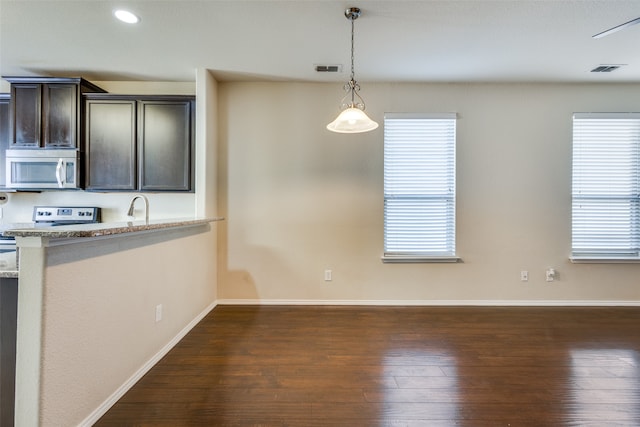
[[126, 16]]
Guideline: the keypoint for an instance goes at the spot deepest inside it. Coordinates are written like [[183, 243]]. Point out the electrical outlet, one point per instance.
[[524, 276], [551, 275], [158, 312], [328, 275]]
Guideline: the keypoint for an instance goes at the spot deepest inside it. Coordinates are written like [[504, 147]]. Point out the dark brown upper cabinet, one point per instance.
[[110, 146], [139, 143], [165, 144], [47, 112]]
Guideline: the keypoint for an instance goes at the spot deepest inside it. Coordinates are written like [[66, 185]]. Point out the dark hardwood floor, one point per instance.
[[395, 366]]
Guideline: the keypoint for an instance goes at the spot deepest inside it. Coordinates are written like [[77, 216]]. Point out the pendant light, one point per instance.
[[352, 119]]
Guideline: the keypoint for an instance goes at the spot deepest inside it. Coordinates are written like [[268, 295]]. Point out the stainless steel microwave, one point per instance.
[[42, 169]]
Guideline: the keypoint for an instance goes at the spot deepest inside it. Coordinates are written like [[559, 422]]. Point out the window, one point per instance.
[[606, 186], [419, 187]]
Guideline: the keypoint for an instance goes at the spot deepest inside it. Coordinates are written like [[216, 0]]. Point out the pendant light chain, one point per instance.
[[353, 73], [352, 86]]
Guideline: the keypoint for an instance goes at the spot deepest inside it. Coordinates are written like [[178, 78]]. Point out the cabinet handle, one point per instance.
[[59, 172]]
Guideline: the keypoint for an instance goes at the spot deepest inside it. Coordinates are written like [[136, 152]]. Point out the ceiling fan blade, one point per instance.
[[617, 28]]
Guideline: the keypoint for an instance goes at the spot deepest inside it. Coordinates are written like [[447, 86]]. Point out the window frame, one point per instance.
[[624, 222], [421, 198]]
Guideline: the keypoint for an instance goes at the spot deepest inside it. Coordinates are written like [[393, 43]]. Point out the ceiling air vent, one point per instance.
[[606, 68], [328, 68]]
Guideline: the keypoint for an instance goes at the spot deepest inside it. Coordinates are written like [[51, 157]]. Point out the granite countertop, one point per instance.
[[106, 228]]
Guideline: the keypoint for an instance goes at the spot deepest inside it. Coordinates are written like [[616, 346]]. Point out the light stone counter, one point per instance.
[[106, 228]]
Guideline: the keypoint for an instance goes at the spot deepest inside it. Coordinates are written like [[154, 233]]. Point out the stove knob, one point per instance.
[[39, 213], [80, 213], [47, 213]]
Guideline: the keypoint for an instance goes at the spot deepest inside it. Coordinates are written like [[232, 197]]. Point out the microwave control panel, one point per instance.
[[66, 214]]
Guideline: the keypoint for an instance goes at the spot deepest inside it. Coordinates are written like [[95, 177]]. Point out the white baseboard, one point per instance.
[[479, 303], [111, 400]]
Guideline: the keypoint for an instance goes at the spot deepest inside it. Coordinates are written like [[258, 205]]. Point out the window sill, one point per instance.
[[603, 259], [408, 259]]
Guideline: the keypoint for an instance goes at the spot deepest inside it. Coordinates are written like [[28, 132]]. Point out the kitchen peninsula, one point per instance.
[[98, 305]]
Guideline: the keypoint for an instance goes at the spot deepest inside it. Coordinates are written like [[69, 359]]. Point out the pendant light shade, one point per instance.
[[352, 119]]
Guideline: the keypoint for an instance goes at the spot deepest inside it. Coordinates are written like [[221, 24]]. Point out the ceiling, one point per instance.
[[395, 40]]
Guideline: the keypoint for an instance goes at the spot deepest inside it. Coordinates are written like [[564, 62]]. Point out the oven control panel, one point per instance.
[[66, 214]]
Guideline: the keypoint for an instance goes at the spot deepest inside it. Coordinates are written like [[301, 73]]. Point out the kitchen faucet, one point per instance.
[[146, 207]]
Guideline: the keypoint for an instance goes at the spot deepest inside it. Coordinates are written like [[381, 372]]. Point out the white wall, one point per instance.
[[114, 206], [206, 155], [147, 88], [299, 199]]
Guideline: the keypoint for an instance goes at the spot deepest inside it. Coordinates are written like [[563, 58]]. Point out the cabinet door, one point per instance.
[[5, 135], [26, 100], [59, 114], [165, 145], [110, 158], [8, 324]]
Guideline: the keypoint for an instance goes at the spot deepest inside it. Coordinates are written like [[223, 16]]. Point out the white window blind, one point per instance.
[[606, 186], [419, 187]]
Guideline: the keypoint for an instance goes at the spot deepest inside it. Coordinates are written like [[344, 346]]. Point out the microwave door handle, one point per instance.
[[60, 169]]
